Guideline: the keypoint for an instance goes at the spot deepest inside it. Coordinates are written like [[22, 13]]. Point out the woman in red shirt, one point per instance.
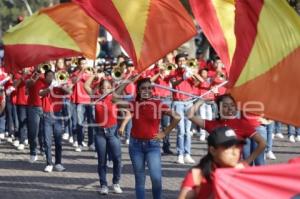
[[228, 116], [223, 152], [144, 144]]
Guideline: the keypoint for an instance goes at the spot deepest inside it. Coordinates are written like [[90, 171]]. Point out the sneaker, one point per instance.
[[127, 141], [75, 144], [16, 143], [279, 135], [297, 138], [202, 138], [84, 144], [33, 158], [65, 136], [168, 152], [78, 149], [48, 168], [92, 147], [26, 142], [270, 155], [6, 134], [292, 139], [273, 136], [110, 164], [189, 159], [71, 140], [104, 190], [117, 188], [2, 136], [21, 147], [10, 140], [180, 159], [59, 167]]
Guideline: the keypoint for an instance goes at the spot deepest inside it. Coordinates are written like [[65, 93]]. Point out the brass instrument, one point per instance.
[[169, 66], [192, 63], [89, 69], [61, 76], [43, 68], [117, 73]]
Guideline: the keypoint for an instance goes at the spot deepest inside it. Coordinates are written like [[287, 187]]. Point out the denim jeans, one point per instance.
[[270, 130], [251, 145], [128, 129], [292, 130], [85, 112], [2, 122], [67, 114], [22, 118], [12, 123], [165, 121], [183, 128], [107, 139], [277, 127], [74, 120], [144, 153], [53, 125], [35, 128]]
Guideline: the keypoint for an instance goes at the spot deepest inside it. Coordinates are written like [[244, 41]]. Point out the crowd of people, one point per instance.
[[114, 104]]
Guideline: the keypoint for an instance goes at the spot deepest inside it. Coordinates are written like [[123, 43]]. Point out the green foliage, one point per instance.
[[9, 16]]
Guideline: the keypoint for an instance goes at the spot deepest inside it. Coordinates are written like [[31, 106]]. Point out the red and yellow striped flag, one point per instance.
[[146, 29], [60, 31], [264, 71]]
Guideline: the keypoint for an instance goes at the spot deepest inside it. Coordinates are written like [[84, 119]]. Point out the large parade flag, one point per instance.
[[280, 181], [216, 19], [146, 29], [265, 38], [60, 31]]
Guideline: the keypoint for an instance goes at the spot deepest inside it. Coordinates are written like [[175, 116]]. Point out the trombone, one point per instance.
[[43, 68], [192, 63], [117, 73], [61, 76]]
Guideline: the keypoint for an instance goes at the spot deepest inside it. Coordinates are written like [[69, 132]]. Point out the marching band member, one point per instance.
[[4, 78], [21, 103], [106, 135], [228, 116], [181, 80], [144, 146], [35, 114], [224, 149], [52, 103]]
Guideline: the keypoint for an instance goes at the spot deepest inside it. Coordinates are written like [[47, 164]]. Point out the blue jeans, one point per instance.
[[107, 139], [53, 125], [251, 145], [142, 153], [277, 127], [22, 118], [12, 124], [35, 128], [292, 130], [128, 129], [67, 114], [270, 130], [2, 122], [183, 128], [85, 112], [165, 121]]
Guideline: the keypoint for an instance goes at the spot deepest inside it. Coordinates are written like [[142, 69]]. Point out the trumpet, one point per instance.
[[169, 66], [89, 69], [117, 73], [192, 63], [43, 68], [62, 76]]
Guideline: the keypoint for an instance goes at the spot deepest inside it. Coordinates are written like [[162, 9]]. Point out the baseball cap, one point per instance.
[[223, 136]]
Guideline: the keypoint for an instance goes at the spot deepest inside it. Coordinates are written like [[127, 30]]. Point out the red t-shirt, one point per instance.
[[242, 127], [146, 116], [106, 112], [204, 87], [205, 191], [185, 85], [79, 95], [34, 98], [21, 91], [159, 92], [52, 102]]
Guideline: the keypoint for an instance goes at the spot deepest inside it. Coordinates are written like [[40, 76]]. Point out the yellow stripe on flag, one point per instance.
[[134, 15], [277, 37], [39, 29], [225, 10]]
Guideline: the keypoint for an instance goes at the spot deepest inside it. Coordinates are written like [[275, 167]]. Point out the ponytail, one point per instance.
[[205, 165]]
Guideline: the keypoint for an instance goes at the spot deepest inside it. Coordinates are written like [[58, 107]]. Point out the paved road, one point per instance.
[[21, 180]]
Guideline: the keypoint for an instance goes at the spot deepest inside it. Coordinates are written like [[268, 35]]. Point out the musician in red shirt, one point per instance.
[[52, 93]]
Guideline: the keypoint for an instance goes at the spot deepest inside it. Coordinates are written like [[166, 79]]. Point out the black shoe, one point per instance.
[[168, 152]]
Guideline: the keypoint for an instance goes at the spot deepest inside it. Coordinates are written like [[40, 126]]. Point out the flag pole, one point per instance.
[[28, 7]]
